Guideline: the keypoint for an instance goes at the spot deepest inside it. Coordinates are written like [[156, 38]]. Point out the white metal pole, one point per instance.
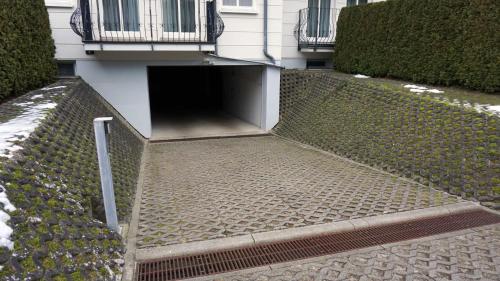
[[101, 129]]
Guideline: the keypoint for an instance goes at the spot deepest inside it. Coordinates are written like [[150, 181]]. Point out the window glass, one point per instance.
[[66, 68], [230, 2], [246, 3], [238, 3]]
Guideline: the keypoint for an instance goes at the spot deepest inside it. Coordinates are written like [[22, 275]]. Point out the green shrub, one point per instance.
[[26, 47], [447, 42]]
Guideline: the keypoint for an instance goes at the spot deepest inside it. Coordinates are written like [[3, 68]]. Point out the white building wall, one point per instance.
[[69, 46], [124, 84], [243, 36]]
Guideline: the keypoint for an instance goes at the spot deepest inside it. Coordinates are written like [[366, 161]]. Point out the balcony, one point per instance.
[[171, 25], [316, 29]]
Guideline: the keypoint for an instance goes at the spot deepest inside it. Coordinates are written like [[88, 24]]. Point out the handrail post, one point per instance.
[[101, 129]]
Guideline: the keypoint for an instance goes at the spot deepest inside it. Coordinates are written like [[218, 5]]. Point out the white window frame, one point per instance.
[[357, 3], [237, 9], [60, 3]]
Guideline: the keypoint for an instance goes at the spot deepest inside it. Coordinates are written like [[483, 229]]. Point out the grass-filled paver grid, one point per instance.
[[433, 141], [53, 181]]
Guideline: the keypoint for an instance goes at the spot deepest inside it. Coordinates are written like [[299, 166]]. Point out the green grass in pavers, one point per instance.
[[429, 140], [54, 183]]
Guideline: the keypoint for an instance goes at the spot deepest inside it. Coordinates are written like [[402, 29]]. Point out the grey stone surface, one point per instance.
[[208, 189], [473, 254]]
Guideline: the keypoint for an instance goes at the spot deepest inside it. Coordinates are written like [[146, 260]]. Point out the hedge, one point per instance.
[[53, 181], [446, 42], [428, 140], [26, 47]]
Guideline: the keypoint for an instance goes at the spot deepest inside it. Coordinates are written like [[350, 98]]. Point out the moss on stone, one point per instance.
[[425, 139], [54, 183]]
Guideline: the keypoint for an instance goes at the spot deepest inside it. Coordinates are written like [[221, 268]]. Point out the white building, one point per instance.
[[193, 68]]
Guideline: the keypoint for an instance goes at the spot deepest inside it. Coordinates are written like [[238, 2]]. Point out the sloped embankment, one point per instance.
[[52, 179], [433, 141]]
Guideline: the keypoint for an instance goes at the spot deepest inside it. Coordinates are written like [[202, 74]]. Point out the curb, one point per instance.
[[193, 248], [131, 235]]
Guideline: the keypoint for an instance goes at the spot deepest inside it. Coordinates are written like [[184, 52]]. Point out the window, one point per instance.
[[318, 18], [59, 3], [120, 15], [179, 15], [237, 3], [238, 6], [65, 68], [356, 2], [315, 64]]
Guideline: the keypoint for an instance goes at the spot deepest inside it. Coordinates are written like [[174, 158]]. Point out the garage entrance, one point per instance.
[[205, 101]]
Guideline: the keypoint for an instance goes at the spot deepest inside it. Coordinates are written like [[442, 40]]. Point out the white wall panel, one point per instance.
[[243, 37], [271, 97], [243, 92], [124, 85]]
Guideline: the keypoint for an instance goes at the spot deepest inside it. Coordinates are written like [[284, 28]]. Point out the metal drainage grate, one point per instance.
[[236, 259]]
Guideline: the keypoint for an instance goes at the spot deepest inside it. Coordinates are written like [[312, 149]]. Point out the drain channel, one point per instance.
[[182, 267]]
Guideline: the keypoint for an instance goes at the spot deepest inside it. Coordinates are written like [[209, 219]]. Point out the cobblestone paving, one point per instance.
[[207, 189], [473, 254]]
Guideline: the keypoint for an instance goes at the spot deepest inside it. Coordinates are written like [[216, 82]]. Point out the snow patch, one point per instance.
[[411, 86], [34, 219], [36, 97], [435, 91], [421, 89], [5, 230], [53, 88], [20, 127], [24, 103], [417, 91], [495, 108], [5, 201], [361, 76]]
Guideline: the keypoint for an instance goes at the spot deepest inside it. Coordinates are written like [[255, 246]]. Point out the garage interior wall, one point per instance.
[[242, 93]]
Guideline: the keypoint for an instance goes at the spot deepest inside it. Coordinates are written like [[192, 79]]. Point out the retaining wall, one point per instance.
[[429, 140], [53, 181]]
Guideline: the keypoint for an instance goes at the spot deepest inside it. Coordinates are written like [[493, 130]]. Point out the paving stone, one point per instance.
[[207, 189]]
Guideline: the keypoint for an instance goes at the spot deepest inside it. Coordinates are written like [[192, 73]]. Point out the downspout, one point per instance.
[[216, 51], [266, 53]]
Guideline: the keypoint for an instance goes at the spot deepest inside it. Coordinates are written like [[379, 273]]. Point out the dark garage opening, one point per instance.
[[203, 101]]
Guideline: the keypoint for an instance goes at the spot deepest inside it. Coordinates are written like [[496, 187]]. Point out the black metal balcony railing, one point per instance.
[[147, 21], [316, 28]]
